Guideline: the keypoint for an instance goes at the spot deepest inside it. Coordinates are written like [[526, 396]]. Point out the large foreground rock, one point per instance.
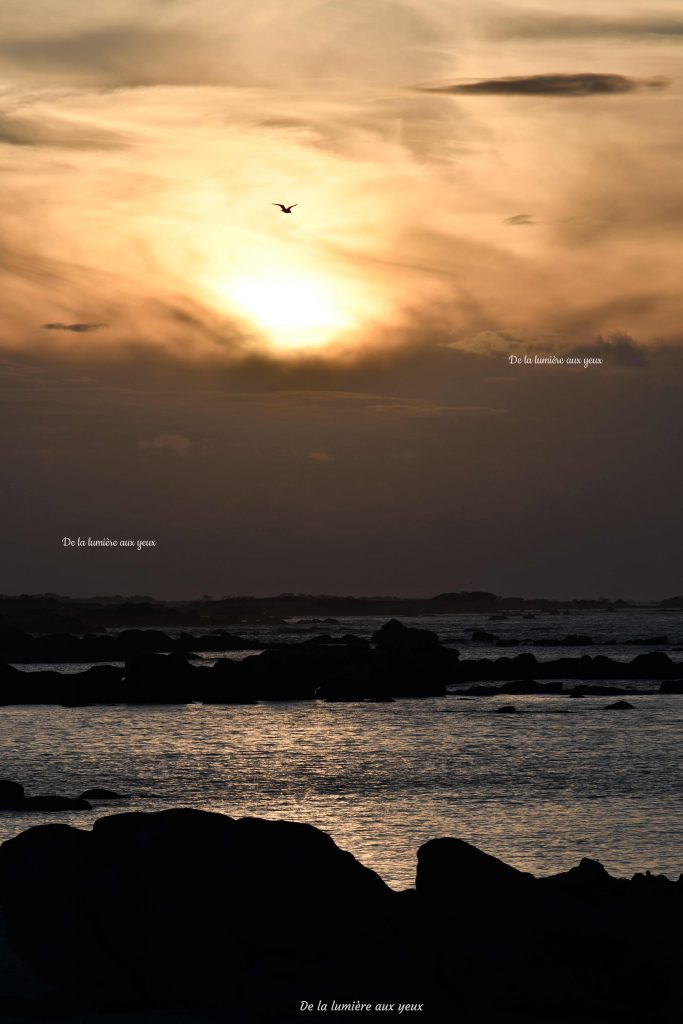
[[579, 945], [189, 908]]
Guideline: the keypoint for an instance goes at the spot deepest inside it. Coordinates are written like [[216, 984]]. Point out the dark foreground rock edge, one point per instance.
[[186, 910]]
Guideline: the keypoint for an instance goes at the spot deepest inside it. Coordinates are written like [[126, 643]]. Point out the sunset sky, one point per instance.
[[324, 401]]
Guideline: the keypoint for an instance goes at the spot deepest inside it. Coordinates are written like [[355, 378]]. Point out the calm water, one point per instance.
[[565, 779]]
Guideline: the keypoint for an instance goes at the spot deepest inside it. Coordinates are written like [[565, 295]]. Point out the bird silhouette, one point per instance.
[[285, 209]]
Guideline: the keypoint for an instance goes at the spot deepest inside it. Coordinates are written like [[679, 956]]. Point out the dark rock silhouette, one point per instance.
[[187, 909], [507, 709], [653, 665], [11, 795], [521, 687], [399, 662], [158, 679], [17, 646], [13, 798], [570, 946], [49, 802], [225, 683], [102, 794], [619, 705], [399, 639], [671, 686], [586, 690]]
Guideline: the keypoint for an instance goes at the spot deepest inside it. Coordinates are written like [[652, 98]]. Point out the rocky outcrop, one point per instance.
[[184, 908], [158, 679], [188, 908], [399, 662], [578, 945], [672, 686], [13, 798], [653, 665], [396, 638], [17, 646]]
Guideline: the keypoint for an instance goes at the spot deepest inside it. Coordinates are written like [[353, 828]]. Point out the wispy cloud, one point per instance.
[[520, 220], [177, 444], [57, 133], [538, 24]]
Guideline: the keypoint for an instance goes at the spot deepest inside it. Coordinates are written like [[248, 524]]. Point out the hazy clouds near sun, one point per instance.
[[142, 146], [323, 401]]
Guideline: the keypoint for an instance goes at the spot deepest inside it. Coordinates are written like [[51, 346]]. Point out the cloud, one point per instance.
[[525, 24], [209, 42], [352, 403], [57, 132], [577, 85], [320, 457], [431, 410], [619, 350], [402, 195], [74, 328], [127, 55], [520, 220], [176, 443]]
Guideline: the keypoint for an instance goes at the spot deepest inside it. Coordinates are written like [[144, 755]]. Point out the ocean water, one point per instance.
[[561, 780]]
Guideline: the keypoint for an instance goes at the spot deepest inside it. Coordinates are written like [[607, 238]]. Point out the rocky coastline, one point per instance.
[[194, 913], [397, 662]]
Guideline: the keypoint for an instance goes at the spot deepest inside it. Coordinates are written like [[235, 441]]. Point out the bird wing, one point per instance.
[[293, 205], [278, 204]]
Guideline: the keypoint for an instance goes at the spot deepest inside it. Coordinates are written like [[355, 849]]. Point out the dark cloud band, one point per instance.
[[74, 328], [579, 85]]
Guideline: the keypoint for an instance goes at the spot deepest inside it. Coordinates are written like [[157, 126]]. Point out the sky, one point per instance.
[[337, 400]]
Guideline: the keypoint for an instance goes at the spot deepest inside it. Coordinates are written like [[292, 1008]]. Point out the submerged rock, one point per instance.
[[482, 636], [50, 802], [13, 798], [674, 686], [522, 687], [619, 705], [102, 794]]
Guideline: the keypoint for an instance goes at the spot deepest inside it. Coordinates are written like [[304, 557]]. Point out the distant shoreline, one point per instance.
[[57, 613]]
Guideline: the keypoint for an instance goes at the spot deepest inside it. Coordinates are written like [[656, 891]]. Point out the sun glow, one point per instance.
[[294, 311]]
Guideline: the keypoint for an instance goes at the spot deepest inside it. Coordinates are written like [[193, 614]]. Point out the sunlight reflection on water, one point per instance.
[[539, 789]]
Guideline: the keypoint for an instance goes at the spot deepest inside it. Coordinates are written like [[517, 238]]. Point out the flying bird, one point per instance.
[[285, 209]]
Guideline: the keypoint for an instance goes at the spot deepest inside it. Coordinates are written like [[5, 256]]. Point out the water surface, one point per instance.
[[562, 780]]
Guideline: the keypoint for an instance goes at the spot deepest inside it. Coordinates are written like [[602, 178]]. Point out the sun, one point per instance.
[[294, 311]]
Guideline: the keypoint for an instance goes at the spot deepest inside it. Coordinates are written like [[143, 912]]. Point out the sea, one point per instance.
[[561, 780]]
